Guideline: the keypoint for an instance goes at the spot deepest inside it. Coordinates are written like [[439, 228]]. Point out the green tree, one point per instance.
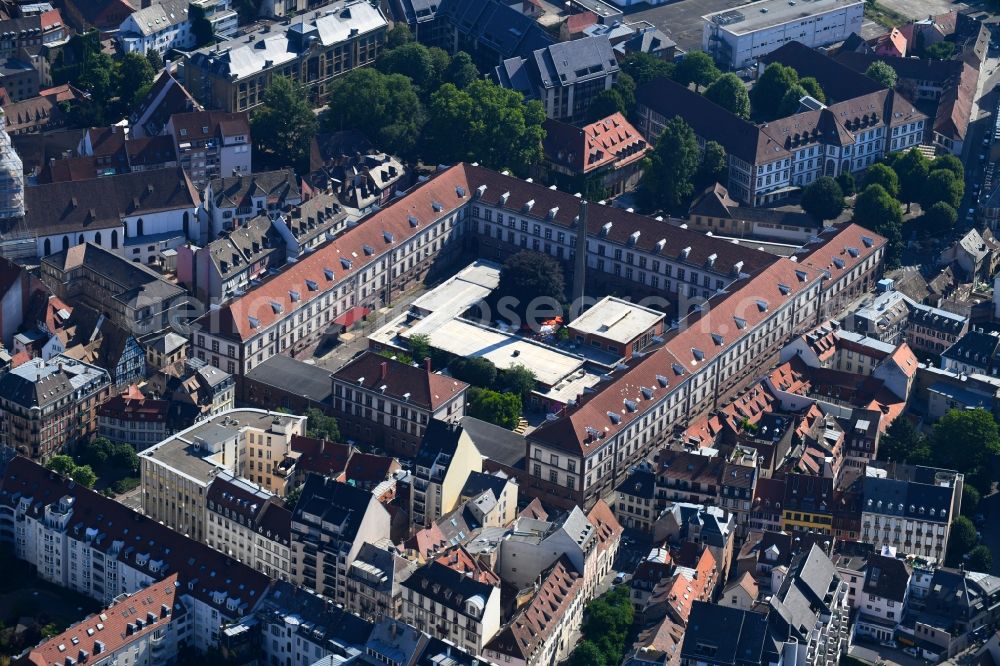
[[531, 285], [384, 107], [604, 104], [813, 89], [416, 61], [980, 559], [475, 370], [292, 497], [847, 184], [669, 178], [625, 87], [939, 219], [587, 653], [99, 76], [940, 51], [729, 92], [875, 209], [155, 60], [823, 199], [85, 476], [713, 167], [462, 70], [912, 168], [949, 162], [791, 102], [697, 67], [420, 347], [643, 67], [518, 379], [61, 464], [970, 500], [880, 174], [607, 623], [485, 122], [502, 409], [770, 90], [961, 540], [398, 36], [135, 76], [965, 439], [942, 185], [321, 426], [201, 27], [902, 442], [882, 72], [284, 124]]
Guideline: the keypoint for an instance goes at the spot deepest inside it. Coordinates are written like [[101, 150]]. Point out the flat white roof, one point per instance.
[[463, 338], [616, 319], [769, 13], [571, 387], [472, 284]]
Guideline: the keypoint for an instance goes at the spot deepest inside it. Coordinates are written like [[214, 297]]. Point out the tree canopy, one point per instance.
[[880, 174], [902, 442], [531, 285], [502, 409], [877, 210], [813, 89], [772, 86], [606, 627], [939, 219], [487, 123], [912, 168], [696, 67], [713, 165], [475, 370], [669, 178], [882, 72], [949, 162], [461, 71], [284, 124], [643, 67], [729, 92], [823, 199], [385, 107], [425, 67], [66, 466], [518, 379], [965, 439], [604, 104], [961, 540], [321, 426], [942, 185]]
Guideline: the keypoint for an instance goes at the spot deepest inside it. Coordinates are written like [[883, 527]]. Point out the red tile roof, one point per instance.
[[849, 246], [728, 319], [320, 456], [447, 191], [126, 620], [608, 529], [401, 381], [611, 141], [544, 614]]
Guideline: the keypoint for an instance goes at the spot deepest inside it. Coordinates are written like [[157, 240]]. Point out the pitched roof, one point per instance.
[[165, 98], [544, 614], [238, 191], [448, 190], [207, 574], [321, 456], [609, 411], [611, 141], [159, 16], [129, 618], [400, 381], [887, 577], [101, 203], [838, 81]]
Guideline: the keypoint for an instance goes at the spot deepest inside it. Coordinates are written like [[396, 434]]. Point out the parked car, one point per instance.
[[619, 578], [889, 644], [912, 651]]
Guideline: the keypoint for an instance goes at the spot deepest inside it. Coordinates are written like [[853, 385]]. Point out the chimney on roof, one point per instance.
[[427, 364], [383, 370]]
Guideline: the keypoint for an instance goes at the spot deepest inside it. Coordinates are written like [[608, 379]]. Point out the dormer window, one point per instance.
[[346, 263], [784, 289], [615, 417], [762, 305]]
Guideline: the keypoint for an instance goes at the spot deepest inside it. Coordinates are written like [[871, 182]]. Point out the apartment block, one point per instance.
[[50, 406], [312, 50], [249, 443]]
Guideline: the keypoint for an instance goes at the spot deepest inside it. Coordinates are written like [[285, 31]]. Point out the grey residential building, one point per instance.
[[564, 77], [331, 522]]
